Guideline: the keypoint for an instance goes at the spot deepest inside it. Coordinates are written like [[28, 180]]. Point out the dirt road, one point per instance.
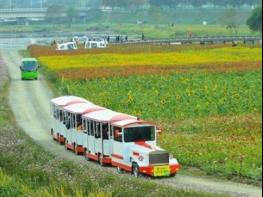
[[30, 103]]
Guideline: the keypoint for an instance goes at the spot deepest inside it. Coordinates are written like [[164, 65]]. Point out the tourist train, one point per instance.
[[109, 137]]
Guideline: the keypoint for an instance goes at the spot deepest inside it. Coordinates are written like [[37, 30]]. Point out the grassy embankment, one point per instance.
[[28, 170], [163, 31], [208, 100]]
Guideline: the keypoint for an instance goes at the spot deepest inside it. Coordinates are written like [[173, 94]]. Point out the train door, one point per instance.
[[85, 133], [68, 125], [111, 129], [54, 126], [98, 141], [105, 136], [117, 154], [78, 135], [60, 122], [72, 127], [91, 132], [64, 124]]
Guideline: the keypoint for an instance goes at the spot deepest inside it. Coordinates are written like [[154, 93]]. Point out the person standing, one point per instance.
[[143, 36]]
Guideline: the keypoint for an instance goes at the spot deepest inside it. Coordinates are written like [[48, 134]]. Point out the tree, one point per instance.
[[230, 20], [55, 13], [165, 3], [198, 3], [71, 14], [254, 22]]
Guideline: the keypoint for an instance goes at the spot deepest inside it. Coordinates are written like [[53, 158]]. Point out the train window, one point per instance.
[[88, 122], [78, 122], [57, 114], [65, 118], [146, 133], [60, 115], [98, 130], [84, 126], [54, 112], [105, 131], [117, 134], [92, 128], [72, 125], [67, 121], [87, 126]]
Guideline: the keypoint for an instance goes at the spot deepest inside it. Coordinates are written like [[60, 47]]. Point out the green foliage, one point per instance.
[[255, 20], [54, 13], [175, 96], [71, 14], [227, 145]]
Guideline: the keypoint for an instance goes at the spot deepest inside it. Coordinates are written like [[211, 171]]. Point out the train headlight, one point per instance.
[[140, 158]]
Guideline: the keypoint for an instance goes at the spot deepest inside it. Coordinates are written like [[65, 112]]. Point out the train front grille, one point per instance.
[[159, 157]]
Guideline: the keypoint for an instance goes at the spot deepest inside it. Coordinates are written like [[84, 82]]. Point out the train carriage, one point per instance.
[[98, 128], [109, 137], [58, 129], [76, 139]]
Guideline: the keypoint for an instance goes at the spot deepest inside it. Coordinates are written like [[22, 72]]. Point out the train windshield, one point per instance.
[[136, 134], [30, 66]]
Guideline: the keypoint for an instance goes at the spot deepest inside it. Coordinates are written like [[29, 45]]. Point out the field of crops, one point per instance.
[[209, 101], [179, 58]]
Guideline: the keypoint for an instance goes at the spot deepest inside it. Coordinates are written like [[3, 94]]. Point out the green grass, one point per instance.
[[175, 96], [228, 146], [162, 31], [28, 170], [151, 31]]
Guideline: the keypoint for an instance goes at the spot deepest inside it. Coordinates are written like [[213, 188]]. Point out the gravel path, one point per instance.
[[29, 101], [3, 72]]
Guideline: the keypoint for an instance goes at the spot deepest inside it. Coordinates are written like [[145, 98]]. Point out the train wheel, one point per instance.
[[173, 175], [86, 155], [62, 142], [76, 150], [135, 170], [66, 145], [119, 170], [101, 160]]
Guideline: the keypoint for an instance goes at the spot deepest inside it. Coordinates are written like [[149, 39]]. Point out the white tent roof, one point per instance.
[[68, 100], [82, 108], [107, 116]]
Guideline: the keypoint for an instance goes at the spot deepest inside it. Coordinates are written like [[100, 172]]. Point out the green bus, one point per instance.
[[29, 69]]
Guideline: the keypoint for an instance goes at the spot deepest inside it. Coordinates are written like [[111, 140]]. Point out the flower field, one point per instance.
[[208, 100], [180, 58]]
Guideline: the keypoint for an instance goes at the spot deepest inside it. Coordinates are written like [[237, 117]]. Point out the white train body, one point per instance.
[[67, 46], [110, 137], [100, 43]]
